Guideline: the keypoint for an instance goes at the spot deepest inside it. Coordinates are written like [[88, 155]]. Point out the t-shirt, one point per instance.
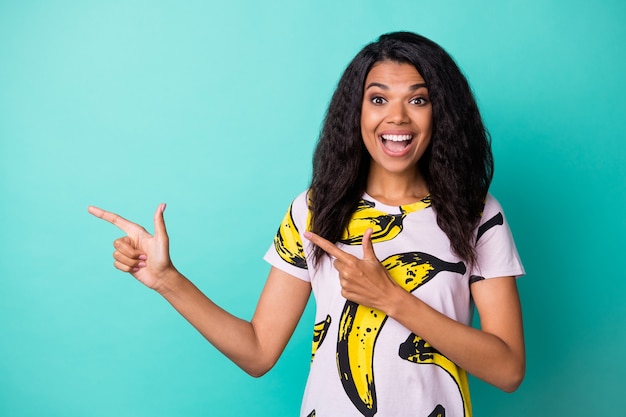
[[364, 363]]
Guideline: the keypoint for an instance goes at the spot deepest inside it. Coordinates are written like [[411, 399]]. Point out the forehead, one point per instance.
[[389, 72]]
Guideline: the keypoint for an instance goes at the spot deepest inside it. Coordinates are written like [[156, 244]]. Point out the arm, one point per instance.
[[254, 345], [495, 353]]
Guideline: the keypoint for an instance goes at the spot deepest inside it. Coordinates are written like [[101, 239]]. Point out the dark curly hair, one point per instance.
[[457, 165]]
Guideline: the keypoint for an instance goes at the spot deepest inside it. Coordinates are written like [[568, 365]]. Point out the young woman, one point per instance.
[[398, 239]]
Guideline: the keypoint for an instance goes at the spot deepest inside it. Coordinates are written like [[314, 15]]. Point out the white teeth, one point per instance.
[[397, 138]]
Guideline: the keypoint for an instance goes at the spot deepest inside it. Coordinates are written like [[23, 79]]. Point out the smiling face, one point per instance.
[[396, 118]]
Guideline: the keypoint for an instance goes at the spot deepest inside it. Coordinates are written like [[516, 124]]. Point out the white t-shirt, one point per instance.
[[364, 363]]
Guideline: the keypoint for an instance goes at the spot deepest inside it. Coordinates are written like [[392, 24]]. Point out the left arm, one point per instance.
[[495, 353]]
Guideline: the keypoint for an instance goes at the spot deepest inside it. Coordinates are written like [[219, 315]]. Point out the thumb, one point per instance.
[[160, 232], [368, 247]]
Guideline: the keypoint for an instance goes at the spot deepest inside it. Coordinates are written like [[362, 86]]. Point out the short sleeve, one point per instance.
[[287, 252], [496, 252]]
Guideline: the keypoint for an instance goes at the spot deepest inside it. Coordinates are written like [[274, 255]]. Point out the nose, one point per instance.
[[397, 113]]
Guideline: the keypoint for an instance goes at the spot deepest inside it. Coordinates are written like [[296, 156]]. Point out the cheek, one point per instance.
[[369, 122], [368, 137], [428, 129], [425, 122]]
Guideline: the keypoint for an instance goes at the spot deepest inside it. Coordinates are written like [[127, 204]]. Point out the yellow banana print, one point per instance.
[[417, 350], [319, 333], [385, 226], [359, 326], [358, 329], [288, 242]]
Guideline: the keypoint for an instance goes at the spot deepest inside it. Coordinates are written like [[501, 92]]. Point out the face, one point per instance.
[[396, 118]]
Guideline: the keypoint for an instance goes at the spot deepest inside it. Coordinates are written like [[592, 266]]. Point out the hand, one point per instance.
[[143, 255], [364, 281]]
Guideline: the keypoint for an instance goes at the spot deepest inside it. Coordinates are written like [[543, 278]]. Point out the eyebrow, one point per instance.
[[385, 87]]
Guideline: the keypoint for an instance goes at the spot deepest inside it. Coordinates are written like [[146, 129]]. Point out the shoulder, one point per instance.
[[495, 247], [298, 213], [300, 205], [302, 199], [492, 206], [492, 213]]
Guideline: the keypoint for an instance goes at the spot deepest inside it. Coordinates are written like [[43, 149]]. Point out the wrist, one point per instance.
[[397, 302], [169, 280]]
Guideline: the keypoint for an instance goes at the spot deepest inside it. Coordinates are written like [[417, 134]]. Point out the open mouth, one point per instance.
[[396, 143]]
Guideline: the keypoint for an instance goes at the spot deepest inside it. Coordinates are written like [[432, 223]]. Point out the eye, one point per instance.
[[377, 100], [420, 101]]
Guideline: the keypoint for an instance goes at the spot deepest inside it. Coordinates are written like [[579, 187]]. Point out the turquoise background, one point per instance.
[[214, 108]]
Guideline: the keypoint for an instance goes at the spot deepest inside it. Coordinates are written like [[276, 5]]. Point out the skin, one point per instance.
[[395, 102], [494, 354], [253, 345]]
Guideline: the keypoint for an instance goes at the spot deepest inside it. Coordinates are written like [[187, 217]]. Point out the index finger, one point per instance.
[[115, 219], [328, 247]]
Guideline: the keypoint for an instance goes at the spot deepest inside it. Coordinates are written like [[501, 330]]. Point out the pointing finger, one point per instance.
[[115, 219], [368, 247], [328, 247]]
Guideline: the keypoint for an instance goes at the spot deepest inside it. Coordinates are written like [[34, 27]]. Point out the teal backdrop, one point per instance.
[[214, 108]]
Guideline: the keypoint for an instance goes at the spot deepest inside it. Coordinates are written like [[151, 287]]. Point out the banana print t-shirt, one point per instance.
[[364, 363]]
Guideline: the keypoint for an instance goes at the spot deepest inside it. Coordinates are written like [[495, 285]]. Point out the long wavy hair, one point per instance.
[[457, 165]]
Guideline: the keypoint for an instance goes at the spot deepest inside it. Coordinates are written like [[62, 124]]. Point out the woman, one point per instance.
[[397, 237]]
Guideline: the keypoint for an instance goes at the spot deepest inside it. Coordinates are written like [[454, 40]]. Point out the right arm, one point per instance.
[[253, 345]]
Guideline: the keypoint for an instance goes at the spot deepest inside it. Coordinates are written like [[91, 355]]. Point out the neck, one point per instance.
[[396, 188]]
